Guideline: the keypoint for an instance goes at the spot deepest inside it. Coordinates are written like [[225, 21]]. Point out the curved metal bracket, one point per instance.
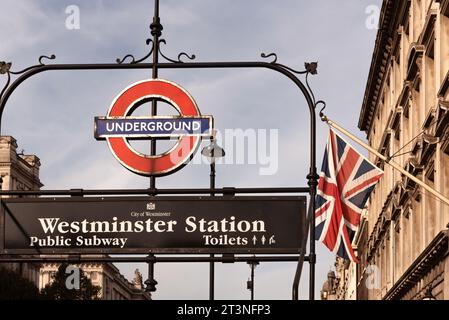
[[266, 56], [180, 55], [133, 60], [322, 115], [5, 68]]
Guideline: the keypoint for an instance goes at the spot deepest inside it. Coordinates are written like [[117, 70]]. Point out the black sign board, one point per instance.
[[152, 225]]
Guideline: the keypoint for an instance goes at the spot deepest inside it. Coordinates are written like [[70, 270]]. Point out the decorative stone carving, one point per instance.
[[137, 281]]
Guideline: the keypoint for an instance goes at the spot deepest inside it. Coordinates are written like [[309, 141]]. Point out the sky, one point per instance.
[[51, 114]]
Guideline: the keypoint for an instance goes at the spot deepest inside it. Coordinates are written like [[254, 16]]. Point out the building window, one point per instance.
[[407, 23], [430, 87], [395, 126], [389, 258], [444, 40], [445, 180], [431, 204], [416, 109], [417, 21], [445, 8], [406, 109], [430, 173], [397, 252], [445, 146]]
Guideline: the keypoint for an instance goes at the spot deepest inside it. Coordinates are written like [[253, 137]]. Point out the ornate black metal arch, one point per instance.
[[130, 62]]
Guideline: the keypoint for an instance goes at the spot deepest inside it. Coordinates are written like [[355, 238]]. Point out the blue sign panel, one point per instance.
[[152, 126]]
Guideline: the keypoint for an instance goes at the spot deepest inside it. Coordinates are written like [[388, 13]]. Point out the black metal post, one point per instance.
[[212, 177], [211, 152], [313, 183], [151, 282], [212, 265], [252, 265], [156, 32], [312, 178], [252, 281]]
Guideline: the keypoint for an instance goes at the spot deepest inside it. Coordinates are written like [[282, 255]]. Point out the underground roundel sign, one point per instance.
[[119, 126]]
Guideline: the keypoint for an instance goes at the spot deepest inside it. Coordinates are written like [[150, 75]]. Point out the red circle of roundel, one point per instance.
[[169, 161]]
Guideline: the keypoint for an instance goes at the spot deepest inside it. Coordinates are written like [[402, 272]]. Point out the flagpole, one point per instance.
[[386, 159]]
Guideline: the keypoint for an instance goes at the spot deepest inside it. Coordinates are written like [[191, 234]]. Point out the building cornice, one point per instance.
[[434, 252], [393, 15], [390, 18]]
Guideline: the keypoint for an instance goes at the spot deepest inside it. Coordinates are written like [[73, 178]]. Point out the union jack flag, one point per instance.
[[346, 181]]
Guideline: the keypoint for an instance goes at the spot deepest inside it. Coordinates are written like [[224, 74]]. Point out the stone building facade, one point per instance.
[[19, 172], [329, 289], [113, 285], [341, 283], [405, 114]]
